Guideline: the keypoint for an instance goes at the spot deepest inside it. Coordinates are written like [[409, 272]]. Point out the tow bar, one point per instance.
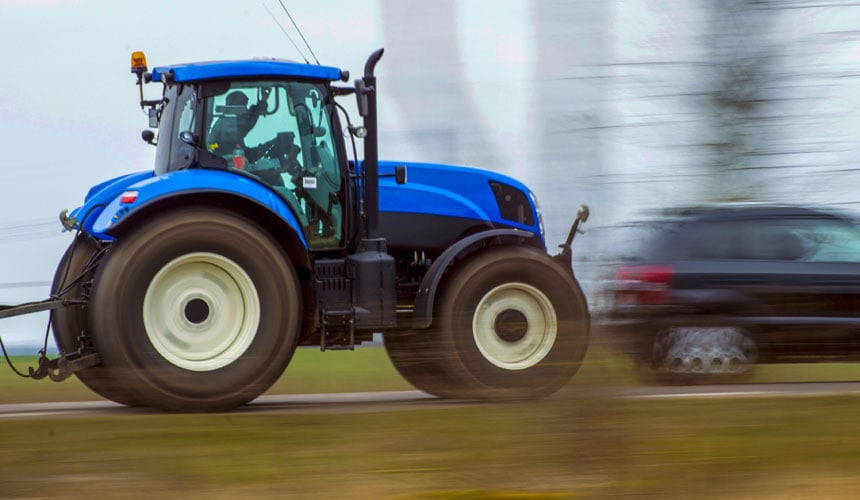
[[61, 368], [33, 307]]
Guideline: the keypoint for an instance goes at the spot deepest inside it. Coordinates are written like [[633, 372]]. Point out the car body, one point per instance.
[[715, 290]]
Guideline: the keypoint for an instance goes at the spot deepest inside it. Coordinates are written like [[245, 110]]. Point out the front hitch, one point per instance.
[[565, 258]]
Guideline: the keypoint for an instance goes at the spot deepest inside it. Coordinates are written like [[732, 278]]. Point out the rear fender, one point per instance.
[[187, 184], [422, 315]]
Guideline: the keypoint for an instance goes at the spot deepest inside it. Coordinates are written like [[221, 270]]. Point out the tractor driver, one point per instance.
[[238, 119], [235, 122]]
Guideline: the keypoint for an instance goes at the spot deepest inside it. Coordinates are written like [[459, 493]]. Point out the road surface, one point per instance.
[[359, 402]]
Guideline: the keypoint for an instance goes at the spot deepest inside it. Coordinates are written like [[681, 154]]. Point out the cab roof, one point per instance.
[[276, 68]]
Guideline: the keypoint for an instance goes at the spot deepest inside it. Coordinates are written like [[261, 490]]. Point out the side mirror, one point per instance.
[[153, 117], [148, 137]]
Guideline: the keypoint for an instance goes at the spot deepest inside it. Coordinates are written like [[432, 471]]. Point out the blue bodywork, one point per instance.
[[240, 69], [100, 196], [448, 191], [103, 208], [432, 189]]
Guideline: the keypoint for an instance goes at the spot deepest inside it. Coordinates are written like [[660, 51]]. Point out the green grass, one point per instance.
[[575, 447], [579, 445]]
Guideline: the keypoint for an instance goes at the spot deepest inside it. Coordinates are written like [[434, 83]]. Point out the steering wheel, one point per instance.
[[283, 150]]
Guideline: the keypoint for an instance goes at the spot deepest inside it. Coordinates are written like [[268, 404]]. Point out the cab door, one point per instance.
[[284, 133]]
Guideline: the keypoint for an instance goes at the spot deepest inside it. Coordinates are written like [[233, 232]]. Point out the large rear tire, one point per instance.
[[72, 280], [512, 324], [198, 311]]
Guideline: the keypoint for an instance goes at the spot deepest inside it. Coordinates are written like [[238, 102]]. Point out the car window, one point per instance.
[[741, 240], [830, 241], [719, 241], [800, 239]]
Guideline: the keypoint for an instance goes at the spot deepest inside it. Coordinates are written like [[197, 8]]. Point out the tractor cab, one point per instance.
[[271, 121]]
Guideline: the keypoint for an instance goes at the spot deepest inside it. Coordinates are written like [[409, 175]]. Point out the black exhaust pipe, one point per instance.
[[371, 268], [367, 93]]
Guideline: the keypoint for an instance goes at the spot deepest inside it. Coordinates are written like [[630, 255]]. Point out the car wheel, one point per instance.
[[704, 354]]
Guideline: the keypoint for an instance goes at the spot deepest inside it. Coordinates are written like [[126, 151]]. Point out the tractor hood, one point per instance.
[[451, 199]]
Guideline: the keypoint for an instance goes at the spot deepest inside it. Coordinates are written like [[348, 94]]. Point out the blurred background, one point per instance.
[[626, 105]]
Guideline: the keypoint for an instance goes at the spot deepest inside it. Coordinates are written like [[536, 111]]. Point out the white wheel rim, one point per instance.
[[535, 340], [201, 311]]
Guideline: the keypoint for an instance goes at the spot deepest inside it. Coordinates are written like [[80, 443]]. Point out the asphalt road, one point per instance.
[[359, 402]]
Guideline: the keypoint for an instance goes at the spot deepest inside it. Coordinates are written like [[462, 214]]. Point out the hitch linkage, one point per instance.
[[61, 368]]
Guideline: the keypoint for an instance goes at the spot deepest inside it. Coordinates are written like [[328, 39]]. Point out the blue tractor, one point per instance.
[[189, 286]]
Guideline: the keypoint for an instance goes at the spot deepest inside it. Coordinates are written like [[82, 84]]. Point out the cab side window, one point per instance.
[[281, 132]]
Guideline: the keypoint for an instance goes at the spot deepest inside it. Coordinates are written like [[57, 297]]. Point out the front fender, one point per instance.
[[422, 315], [100, 195], [189, 182]]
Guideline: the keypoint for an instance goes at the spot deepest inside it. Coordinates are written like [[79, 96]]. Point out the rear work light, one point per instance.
[[643, 284]]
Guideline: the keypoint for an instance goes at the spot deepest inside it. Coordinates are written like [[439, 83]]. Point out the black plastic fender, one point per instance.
[[422, 314]]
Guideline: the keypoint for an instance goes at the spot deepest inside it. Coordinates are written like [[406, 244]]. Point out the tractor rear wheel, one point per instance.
[[198, 311], [512, 323], [71, 325]]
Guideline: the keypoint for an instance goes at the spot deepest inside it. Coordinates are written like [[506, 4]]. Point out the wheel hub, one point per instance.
[[196, 311], [201, 311], [511, 325], [514, 326]]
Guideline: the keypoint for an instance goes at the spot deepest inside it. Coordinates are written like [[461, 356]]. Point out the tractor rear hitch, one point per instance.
[[61, 368]]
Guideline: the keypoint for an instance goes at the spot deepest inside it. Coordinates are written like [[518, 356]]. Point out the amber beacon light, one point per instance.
[[138, 62]]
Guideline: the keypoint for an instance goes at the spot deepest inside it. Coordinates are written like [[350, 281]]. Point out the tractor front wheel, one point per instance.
[[512, 324], [416, 356]]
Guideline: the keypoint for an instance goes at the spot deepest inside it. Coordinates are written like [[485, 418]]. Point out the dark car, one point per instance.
[[715, 290]]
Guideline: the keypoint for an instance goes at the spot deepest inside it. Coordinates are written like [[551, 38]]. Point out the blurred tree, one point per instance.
[[738, 94]]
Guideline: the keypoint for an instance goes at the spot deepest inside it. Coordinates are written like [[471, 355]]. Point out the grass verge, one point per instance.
[[580, 445]]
